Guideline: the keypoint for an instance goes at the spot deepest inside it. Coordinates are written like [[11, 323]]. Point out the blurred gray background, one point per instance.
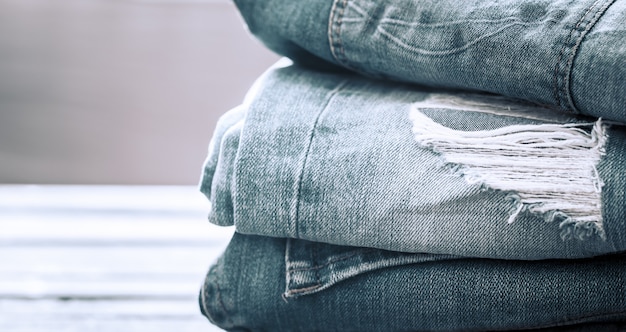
[[118, 91]]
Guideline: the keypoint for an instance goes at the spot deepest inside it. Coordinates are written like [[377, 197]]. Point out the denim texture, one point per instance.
[[566, 55], [247, 290], [425, 166], [331, 157]]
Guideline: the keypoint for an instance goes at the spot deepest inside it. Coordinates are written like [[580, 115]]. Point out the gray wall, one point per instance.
[[118, 91]]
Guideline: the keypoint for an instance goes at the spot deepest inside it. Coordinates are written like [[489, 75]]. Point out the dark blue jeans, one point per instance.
[[274, 284]]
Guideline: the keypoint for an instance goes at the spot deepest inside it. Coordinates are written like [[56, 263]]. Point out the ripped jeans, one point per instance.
[[338, 158], [365, 202]]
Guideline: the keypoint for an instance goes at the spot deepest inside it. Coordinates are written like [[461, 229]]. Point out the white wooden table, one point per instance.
[[104, 258]]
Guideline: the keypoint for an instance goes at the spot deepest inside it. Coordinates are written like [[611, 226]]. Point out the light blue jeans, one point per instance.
[[564, 54], [342, 159]]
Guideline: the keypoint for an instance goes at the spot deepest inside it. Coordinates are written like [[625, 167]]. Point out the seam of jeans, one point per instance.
[[334, 31], [332, 261], [218, 295], [287, 273], [288, 276], [202, 298], [303, 290], [591, 318], [565, 62], [295, 207], [559, 74], [380, 263]]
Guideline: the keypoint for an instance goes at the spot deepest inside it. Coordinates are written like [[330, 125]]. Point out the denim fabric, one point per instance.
[[272, 284], [489, 196], [331, 157], [568, 55]]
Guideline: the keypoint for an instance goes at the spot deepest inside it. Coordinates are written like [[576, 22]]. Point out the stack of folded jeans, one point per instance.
[[425, 165]]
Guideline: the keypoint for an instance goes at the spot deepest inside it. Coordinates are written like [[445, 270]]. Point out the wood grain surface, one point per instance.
[[104, 258]]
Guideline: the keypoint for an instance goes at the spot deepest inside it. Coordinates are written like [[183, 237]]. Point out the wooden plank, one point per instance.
[[90, 215], [107, 258], [118, 316], [110, 259], [104, 308], [179, 199], [103, 271], [97, 228]]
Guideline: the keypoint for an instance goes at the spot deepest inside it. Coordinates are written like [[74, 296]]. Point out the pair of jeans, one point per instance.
[[564, 54], [276, 284], [335, 158]]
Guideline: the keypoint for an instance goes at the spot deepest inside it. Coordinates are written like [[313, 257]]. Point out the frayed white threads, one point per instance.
[[494, 104], [550, 169]]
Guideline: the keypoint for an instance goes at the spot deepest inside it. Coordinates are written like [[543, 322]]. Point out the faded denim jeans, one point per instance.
[[342, 159], [564, 54], [488, 196]]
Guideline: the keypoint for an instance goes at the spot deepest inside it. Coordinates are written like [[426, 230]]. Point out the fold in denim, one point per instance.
[[334, 158], [563, 54], [274, 284]]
